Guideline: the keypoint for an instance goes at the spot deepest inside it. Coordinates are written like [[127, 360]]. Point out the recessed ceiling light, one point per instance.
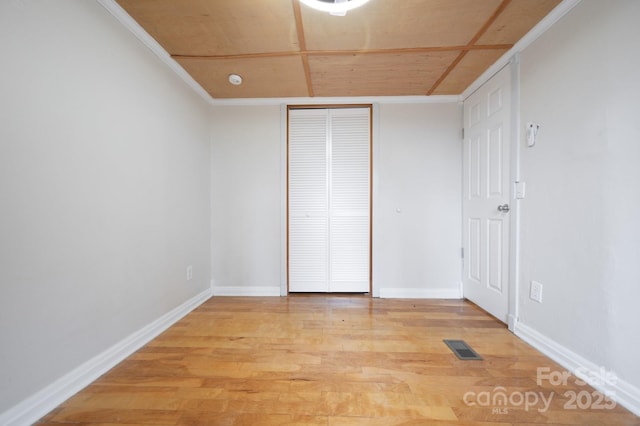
[[334, 7], [235, 79]]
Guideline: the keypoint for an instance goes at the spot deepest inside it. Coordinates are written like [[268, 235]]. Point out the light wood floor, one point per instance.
[[332, 360]]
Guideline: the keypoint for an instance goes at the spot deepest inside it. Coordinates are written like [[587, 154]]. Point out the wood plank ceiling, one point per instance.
[[282, 48]]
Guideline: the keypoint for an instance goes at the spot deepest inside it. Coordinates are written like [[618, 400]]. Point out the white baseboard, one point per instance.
[[247, 291], [420, 293], [622, 392], [42, 402], [512, 322]]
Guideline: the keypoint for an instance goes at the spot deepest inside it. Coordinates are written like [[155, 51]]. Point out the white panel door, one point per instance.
[[329, 198], [486, 194]]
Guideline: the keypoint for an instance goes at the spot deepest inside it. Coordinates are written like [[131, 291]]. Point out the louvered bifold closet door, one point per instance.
[[349, 200], [329, 199], [308, 201]]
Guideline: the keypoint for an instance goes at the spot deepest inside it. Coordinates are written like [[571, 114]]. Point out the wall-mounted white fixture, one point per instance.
[[532, 133], [334, 7], [535, 291], [235, 79]]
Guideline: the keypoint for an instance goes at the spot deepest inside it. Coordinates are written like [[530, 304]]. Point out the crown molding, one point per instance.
[[440, 99], [129, 23]]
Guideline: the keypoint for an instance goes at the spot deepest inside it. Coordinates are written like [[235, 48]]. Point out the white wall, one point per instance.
[[580, 220], [417, 164], [104, 190], [246, 207]]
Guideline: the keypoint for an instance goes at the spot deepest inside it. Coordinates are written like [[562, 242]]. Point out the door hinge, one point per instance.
[[463, 133], [462, 252]]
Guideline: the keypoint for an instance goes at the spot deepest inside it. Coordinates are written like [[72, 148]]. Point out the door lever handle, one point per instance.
[[503, 208]]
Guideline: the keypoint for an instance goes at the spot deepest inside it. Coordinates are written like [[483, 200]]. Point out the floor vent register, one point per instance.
[[462, 350]]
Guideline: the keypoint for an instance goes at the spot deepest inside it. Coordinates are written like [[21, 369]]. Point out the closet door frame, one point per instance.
[[285, 109]]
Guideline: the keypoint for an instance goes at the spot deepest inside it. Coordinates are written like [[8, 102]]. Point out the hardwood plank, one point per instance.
[[329, 360]]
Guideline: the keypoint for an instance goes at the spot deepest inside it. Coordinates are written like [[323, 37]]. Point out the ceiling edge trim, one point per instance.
[[545, 24], [435, 99], [129, 23]]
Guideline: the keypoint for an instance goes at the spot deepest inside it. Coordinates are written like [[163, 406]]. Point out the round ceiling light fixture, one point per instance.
[[334, 7], [235, 79]]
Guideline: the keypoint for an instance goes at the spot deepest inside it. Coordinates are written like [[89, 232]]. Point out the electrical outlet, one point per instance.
[[189, 272], [535, 292]]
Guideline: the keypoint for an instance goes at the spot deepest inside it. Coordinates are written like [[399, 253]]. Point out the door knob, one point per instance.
[[503, 208]]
